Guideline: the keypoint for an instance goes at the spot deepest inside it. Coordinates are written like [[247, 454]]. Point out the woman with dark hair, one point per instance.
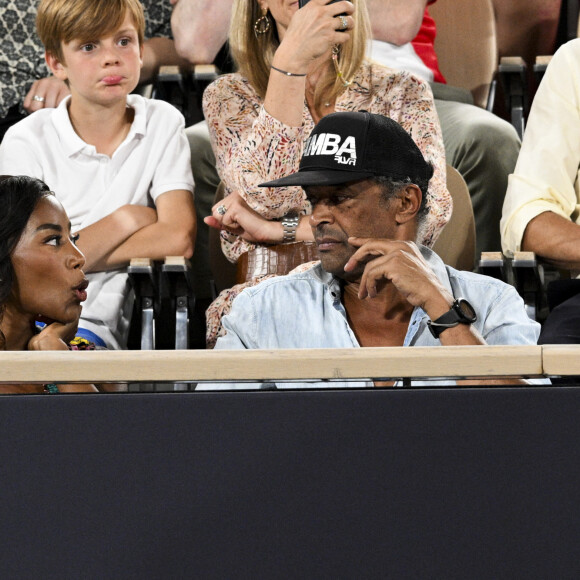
[[41, 276]]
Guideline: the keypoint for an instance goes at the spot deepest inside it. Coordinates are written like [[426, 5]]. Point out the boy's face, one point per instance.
[[103, 70]]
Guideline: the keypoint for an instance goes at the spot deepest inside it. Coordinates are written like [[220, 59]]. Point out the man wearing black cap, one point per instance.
[[365, 179]]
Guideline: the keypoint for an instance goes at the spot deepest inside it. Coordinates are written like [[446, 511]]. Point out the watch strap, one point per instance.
[[453, 317], [290, 225]]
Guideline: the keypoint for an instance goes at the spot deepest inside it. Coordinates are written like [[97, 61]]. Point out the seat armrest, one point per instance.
[[495, 265], [143, 278], [177, 292], [513, 75], [540, 67]]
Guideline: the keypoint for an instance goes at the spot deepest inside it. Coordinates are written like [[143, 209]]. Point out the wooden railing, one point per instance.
[[202, 365]]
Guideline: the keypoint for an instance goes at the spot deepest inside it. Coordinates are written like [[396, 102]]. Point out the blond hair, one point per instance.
[[253, 54], [60, 21]]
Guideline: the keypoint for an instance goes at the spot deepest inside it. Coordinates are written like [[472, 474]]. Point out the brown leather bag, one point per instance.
[[278, 259]]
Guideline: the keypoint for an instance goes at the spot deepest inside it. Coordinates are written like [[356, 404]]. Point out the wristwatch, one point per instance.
[[290, 225], [461, 313]]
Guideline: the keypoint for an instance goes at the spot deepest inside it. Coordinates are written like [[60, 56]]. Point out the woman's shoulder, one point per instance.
[[231, 92], [231, 83]]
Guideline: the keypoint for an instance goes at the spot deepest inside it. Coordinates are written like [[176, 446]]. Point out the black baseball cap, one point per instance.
[[356, 145]]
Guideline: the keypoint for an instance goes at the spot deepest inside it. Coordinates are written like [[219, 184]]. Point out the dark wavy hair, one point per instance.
[[18, 198]]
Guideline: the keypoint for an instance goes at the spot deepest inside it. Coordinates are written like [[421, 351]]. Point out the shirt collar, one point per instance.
[[73, 144]]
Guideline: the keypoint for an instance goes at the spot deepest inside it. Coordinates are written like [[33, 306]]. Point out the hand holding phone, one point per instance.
[[302, 3]]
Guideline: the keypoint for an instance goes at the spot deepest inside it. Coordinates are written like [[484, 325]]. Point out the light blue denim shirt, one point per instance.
[[305, 311]]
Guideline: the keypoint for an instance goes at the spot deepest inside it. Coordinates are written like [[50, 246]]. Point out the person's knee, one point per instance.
[[472, 135], [491, 137]]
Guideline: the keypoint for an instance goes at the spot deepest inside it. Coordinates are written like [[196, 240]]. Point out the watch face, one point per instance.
[[467, 310]]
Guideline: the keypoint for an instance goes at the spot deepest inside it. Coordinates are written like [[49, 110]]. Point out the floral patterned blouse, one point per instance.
[[252, 147]]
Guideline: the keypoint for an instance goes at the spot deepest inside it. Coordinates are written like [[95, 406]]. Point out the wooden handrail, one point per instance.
[[561, 359], [295, 364]]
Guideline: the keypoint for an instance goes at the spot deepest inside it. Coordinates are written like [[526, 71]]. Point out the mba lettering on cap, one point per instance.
[[330, 144]]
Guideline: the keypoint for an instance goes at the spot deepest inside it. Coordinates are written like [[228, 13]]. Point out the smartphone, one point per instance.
[[302, 3]]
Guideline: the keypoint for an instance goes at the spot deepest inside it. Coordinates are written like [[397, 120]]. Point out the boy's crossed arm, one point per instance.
[[136, 231]]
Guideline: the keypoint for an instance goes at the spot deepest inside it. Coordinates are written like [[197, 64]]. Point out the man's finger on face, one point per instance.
[[368, 250], [375, 274]]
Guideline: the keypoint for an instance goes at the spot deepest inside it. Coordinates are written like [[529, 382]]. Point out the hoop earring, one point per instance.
[[262, 25]]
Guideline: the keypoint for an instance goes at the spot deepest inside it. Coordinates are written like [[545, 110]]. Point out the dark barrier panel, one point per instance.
[[436, 483]]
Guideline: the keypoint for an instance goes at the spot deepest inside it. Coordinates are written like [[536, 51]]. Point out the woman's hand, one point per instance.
[[241, 220], [312, 32], [54, 336], [305, 49], [49, 92]]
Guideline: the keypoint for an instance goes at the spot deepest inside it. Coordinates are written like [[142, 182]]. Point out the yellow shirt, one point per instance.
[[547, 171]]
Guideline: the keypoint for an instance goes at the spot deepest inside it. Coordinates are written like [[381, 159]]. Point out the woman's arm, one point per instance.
[[240, 220], [251, 147], [255, 140], [310, 36]]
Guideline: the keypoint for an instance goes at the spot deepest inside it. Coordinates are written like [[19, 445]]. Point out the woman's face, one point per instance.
[[49, 280]]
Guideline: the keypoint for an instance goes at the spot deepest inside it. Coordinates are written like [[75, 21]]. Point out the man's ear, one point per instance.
[[55, 65], [409, 203]]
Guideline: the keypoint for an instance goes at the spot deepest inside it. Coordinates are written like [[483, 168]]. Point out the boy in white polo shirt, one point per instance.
[[119, 163]]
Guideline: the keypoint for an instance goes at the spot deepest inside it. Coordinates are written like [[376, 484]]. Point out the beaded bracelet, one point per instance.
[[285, 72]]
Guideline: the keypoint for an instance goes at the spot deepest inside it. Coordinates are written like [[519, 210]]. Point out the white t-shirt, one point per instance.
[[401, 57], [153, 159]]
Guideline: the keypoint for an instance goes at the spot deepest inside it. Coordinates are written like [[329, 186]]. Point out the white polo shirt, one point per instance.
[[153, 159]]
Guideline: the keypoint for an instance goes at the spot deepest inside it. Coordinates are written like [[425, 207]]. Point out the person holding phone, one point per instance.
[[295, 66]]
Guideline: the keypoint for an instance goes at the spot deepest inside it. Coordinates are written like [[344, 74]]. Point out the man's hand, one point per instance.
[[401, 264], [241, 220], [51, 89]]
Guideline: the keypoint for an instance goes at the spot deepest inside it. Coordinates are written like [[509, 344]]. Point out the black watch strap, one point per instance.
[[461, 312]]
